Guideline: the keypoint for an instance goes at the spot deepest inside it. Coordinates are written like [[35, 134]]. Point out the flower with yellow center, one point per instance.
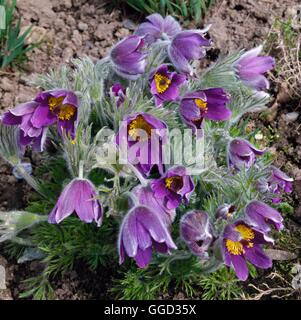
[[64, 111], [237, 247], [201, 104], [162, 82], [139, 123]]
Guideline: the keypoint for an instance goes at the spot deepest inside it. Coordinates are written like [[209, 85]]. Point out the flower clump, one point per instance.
[[222, 213]]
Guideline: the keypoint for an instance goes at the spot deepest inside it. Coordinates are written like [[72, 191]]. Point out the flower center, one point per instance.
[[201, 104], [174, 183], [237, 247], [139, 124], [162, 82], [63, 111]]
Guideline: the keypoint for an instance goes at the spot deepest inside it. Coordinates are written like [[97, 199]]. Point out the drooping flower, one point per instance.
[[261, 216], [225, 211], [242, 242], [143, 135], [146, 197], [127, 57], [241, 153], [204, 104], [185, 47], [174, 187], [196, 231], [156, 27], [79, 197], [141, 232], [165, 84], [251, 68], [119, 91], [48, 108]]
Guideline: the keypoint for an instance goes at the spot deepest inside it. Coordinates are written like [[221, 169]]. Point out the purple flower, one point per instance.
[[241, 153], [146, 197], [261, 216], [185, 47], [141, 232], [196, 231], [226, 211], [243, 242], [204, 104], [165, 84], [175, 187], [48, 108], [251, 68], [157, 27], [143, 135], [78, 196], [127, 57], [120, 92]]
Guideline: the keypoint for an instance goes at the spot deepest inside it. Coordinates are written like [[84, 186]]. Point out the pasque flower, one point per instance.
[[127, 57], [48, 108], [251, 68], [174, 187], [225, 211], [165, 85], [241, 153], [119, 91], [204, 104], [146, 197], [262, 216], [141, 232], [242, 242], [157, 27], [196, 231], [185, 47], [79, 197], [143, 135]]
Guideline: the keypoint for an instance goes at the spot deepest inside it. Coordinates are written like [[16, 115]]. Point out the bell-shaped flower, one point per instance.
[[262, 216], [174, 187], [204, 104], [225, 211], [185, 47], [142, 232], [251, 68], [127, 57], [165, 85], [119, 92], [196, 231], [156, 27], [78, 197], [241, 153], [242, 242]]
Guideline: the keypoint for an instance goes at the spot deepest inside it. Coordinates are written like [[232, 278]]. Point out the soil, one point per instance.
[[74, 28]]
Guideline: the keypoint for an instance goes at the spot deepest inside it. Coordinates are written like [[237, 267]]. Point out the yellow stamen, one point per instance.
[[54, 102], [246, 233], [66, 112], [235, 247], [139, 124], [201, 104], [175, 182], [162, 82]]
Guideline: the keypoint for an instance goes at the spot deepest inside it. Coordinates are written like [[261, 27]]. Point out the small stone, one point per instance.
[[67, 54], [122, 33], [7, 84], [259, 136], [292, 116], [82, 26]]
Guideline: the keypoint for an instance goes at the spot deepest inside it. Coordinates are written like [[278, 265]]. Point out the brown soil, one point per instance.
[[73, 28]]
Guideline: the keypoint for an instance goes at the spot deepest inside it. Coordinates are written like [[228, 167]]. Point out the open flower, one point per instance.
[[251, 68], [79, 197], [119, 91], [147, 198], [143, 135], [157, 27], [196, 231], [261, 216], [243, 242], [141, 232], [185, 47], [165, 84], [241, 153], [127, 57], [204, 104], [174, 187], [48, 108]]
